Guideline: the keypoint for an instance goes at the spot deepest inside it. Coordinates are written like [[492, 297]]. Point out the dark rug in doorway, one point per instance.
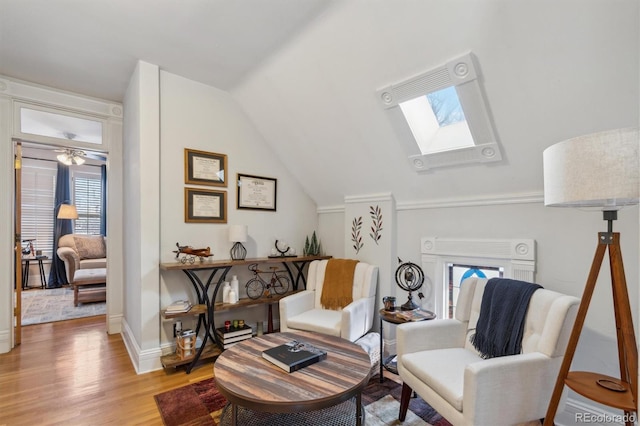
[[55, 304], [200, 404]]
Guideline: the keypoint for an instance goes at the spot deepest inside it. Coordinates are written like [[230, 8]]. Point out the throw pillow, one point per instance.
[[91, 247]]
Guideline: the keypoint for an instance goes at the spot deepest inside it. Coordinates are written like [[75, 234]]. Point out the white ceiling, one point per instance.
[[306, 72], [91, 46]]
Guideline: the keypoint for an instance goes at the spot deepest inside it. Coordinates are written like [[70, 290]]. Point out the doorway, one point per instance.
[[47, 296]]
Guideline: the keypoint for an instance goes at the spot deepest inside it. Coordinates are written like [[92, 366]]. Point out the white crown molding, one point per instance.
[[45, 96], [330, 209], [490, 200], [368, 198]]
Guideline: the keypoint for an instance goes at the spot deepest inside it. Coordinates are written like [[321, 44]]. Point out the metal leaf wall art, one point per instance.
[[356, 237], [376, 228]]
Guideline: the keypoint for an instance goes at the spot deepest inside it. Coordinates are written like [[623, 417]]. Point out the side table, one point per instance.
[[390, 317], [25, 271]]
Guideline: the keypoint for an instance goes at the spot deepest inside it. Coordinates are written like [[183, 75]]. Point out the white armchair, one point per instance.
[[303, 310], [438, 362]]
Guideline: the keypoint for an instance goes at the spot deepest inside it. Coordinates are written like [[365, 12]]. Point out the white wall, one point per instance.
[[201, 117], [566, 240], [142, 215]]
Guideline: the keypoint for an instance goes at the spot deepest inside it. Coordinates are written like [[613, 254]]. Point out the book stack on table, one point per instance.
[[232, 335], [294, 355]]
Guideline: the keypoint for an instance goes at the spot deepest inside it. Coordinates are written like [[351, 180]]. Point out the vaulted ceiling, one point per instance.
[[306, 72]]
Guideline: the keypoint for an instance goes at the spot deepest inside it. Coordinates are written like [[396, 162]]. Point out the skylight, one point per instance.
[[440, 116], [437, 121]]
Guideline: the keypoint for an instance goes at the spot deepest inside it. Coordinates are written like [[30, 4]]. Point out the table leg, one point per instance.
[[25, 275], [381, 351], [359, 420], [43, 279], [234, 414]]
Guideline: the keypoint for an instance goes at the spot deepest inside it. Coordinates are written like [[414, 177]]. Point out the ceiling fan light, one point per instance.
[[78, 160]]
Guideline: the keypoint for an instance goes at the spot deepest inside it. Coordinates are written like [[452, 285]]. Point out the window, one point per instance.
[[87, 197], [441, 118], [38, 203], [459, 273], [446, 261], [62, 126]]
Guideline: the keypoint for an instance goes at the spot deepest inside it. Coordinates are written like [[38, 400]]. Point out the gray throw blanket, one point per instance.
[[502, 313]]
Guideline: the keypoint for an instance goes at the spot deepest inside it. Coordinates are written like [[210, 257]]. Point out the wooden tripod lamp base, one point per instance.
[[614, 392]]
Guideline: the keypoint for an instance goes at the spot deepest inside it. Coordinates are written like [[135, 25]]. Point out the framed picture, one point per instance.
[[204, 168], [205, 206], [256, 192]]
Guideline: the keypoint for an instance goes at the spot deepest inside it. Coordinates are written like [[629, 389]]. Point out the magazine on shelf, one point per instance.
[[233, 331], [294, 355], [415, 315]]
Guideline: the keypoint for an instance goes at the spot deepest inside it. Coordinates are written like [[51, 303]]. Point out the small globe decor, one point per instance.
[[409, 277]]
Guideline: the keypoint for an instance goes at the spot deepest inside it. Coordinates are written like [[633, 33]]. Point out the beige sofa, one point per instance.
[[79, 251]]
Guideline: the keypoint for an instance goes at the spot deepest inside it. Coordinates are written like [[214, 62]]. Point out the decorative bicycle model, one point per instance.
[[258, 287]]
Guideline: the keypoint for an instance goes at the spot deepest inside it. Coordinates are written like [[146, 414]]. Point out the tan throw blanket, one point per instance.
[[337, 290]]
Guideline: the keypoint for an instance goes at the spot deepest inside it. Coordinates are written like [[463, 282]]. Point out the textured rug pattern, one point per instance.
[[201, 404], [55, 304]]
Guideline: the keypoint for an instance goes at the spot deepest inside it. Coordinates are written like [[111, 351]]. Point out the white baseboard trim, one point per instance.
[[144, 361], [5, 341], [114, 324], [577, 413]]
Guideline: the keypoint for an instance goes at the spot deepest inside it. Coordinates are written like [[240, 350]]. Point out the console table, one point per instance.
[[206, 307]]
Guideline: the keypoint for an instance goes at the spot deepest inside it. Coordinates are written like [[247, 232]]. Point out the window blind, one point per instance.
[[87, 196], [38, 198]]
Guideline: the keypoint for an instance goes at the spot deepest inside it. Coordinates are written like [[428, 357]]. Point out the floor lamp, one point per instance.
[[598, 170]]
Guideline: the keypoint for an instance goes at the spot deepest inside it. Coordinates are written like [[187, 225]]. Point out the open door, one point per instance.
[[18, 242]]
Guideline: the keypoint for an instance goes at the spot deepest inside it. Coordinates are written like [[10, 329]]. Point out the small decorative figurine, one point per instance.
[[191, 253]]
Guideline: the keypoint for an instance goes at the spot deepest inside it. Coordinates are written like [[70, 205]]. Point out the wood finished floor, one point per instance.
[[74, 373]]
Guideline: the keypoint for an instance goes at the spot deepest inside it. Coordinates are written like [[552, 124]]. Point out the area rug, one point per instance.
[[201, 404], [55, 304]]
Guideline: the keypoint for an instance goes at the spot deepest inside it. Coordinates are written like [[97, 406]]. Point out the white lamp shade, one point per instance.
[[238, 233], [67, 211], [597, 170]]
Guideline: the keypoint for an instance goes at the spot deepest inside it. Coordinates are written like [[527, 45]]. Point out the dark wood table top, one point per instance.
[[248, 380]]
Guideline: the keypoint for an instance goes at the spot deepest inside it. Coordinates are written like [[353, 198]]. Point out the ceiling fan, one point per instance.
[[71, 156]]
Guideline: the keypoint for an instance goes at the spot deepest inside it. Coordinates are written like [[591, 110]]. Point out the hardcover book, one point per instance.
[[226, 340], [294, 355], [233, 331]]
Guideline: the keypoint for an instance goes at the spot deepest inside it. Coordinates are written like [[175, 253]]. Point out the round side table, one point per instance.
[[390, 317]]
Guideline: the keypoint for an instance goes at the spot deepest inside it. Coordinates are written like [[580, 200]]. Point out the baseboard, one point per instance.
[[114, 324], [144, 361], [5, 341], [578, 413]]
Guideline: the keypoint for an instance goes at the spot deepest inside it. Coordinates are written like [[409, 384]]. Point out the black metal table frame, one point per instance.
[[207, 320]]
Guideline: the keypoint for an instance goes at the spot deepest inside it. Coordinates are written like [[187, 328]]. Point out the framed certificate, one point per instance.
[[205, 206], [256, 192], [204, 168]]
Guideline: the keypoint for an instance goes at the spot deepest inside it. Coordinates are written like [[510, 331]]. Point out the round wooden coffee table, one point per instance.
[[253, 385]]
